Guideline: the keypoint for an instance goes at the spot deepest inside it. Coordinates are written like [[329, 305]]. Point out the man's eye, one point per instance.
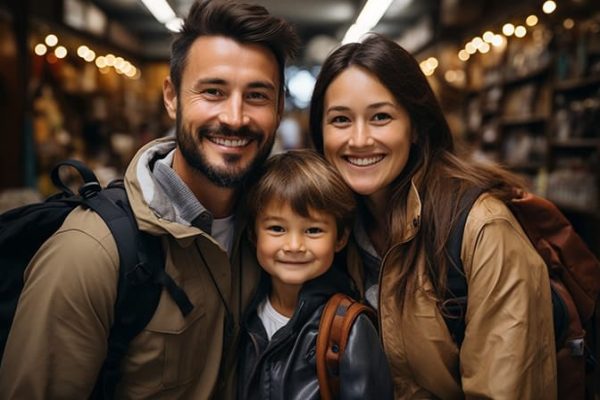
[[212, 92], [257, 96]]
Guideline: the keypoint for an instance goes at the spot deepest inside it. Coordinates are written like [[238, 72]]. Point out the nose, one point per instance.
[[360, 136], [232, 113], [295, 243]]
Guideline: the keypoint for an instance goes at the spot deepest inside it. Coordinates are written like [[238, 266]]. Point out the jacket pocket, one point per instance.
[[171, 350]]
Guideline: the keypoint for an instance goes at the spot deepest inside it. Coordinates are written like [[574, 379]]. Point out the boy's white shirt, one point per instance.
[[271, 319]]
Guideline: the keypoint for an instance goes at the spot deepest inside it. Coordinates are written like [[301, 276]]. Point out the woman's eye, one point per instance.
[[339, 120], [275, 228], [381, 117]]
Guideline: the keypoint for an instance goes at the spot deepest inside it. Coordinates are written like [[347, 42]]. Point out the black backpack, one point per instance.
[[141, 262], [574, 274]]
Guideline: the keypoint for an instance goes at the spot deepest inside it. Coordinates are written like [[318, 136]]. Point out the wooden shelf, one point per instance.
[[528, 166], [530, 120], [533, 74], [575, 143], [575, 84]]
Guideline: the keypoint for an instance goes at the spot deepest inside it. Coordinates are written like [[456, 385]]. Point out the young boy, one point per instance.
[[301, 213]]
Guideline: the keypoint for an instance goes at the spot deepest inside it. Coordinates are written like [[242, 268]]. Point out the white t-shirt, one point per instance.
[[271, 319]]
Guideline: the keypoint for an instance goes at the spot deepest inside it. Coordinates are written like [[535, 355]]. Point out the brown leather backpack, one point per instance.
[[574, 273], [337, 319]]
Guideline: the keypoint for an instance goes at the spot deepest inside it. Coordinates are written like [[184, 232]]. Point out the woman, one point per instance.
[[376, 119]]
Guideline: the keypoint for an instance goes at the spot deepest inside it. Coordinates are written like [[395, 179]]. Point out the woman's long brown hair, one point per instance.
[[440, 176]]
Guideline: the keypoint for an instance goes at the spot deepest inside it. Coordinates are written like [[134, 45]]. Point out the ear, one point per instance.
[[342, 241], [170, 97]]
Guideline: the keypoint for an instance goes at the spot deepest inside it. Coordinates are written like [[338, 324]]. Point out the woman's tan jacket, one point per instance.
[[508, 350]]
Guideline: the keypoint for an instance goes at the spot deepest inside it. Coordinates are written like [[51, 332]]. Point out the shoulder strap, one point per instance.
[[454, 306], [337, 319]]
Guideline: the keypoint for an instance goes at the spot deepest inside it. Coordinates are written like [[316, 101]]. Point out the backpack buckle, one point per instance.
[[89, 189], [139, 275]]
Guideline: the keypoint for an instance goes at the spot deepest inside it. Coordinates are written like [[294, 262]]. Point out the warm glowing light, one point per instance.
[[82, 51], [520, 31], [477, 41], [498, 41], [470, 48], [40, 49], [508, 29], [532, 20], [463, 55], [568, 23], [60, 52], [484, 48], [110, 59], [51, 40], [549, 7], [119, 62], [488, 36], [432, 62], [450, 75], [101, 62], [90, 56]]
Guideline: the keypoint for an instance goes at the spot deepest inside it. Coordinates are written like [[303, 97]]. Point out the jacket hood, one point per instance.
[[152, 207]]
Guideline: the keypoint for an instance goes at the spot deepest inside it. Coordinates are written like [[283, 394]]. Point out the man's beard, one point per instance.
[[223, 177]]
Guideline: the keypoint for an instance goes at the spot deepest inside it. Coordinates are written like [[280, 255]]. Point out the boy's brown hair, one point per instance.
[[305, 181]]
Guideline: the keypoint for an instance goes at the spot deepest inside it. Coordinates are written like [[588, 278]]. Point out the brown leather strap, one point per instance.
[[337, 319]]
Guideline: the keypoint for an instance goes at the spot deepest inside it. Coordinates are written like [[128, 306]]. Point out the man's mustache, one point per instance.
[[224, 130]]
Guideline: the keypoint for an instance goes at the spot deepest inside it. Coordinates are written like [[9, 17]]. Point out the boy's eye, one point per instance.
[[314, 230]]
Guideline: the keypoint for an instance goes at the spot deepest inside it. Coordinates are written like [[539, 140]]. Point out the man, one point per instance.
[[225, 92]]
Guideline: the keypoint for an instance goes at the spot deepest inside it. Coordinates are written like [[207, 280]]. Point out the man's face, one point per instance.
[[228, 108]]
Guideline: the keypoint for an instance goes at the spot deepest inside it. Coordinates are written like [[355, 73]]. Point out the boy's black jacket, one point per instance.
[[285, 367]]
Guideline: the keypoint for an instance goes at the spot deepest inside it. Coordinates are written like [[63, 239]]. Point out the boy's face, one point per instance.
[[294, 249]]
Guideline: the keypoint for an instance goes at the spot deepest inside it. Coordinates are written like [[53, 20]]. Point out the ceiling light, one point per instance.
[[549, 6], [51, 40], [160, 9], [175, 25], [488, 36], [470, 48], [60, 52], [40, 49], [532, 20], [82, 51], [369, 17], [463, 55], [508, 29], [520, 31]]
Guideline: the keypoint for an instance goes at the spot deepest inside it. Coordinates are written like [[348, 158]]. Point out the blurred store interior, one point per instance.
[[519, 81]]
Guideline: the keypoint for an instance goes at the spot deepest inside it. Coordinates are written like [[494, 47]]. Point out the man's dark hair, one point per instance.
[[244, 23]]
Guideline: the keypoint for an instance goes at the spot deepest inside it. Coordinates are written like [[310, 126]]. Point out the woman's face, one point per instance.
[[366, 133]]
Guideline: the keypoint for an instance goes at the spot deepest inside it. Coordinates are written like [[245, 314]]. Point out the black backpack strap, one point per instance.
[[90, 182], [455, 304], [141, 279]]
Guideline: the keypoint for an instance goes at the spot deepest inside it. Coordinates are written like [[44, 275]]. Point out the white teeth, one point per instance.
[[230, 142], [363, 161]]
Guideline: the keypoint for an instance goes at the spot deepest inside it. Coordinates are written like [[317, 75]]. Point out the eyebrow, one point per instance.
[[370, 106], [251, 85]]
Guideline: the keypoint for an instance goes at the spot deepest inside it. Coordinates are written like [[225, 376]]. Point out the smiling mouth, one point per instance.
[[229, 142], [364, 161]]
